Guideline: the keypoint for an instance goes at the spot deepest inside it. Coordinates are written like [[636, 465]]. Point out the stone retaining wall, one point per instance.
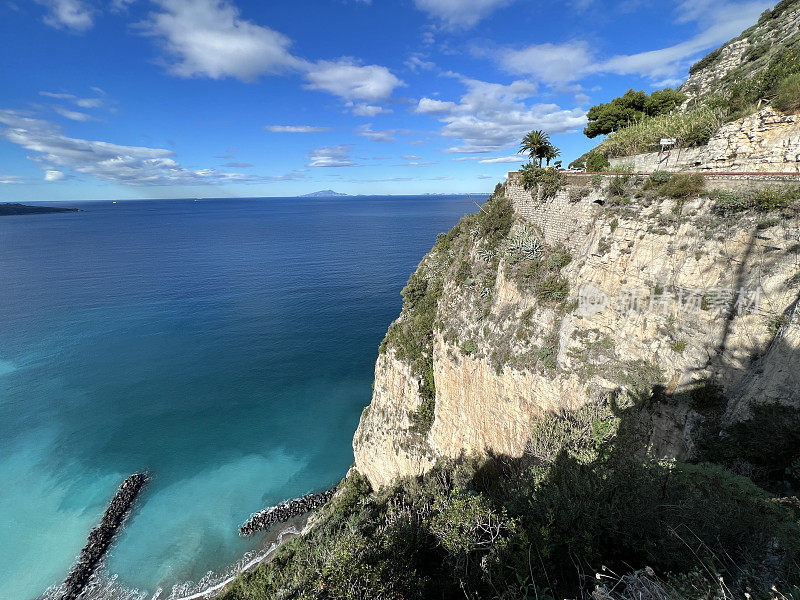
[[561, 220], [767, 141]]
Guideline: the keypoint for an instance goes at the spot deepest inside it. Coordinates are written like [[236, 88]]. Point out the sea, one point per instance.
[[224, 346]]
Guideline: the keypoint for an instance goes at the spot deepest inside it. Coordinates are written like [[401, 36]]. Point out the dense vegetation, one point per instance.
[[580, 507], [631, 108], [769, 73], [689, 129]]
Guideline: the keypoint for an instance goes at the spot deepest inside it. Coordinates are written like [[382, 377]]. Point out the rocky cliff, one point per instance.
[[611, 287], [777, 32]]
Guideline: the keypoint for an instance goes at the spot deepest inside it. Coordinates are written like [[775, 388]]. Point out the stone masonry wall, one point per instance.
[[560, 220], [765, 142]]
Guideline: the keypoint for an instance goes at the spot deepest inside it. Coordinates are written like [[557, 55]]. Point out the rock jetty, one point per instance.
[[285, 511], [101, 536]]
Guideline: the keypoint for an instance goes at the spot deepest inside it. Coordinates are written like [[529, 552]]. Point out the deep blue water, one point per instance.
[[226, 346]]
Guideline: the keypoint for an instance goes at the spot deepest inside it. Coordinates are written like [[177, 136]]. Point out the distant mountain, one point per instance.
[[323, 194], [22, 209]]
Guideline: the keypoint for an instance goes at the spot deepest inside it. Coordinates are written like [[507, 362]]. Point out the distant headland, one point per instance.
[[323, 194], [23, 209]]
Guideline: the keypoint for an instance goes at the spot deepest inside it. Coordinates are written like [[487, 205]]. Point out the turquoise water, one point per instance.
[[225, 346]]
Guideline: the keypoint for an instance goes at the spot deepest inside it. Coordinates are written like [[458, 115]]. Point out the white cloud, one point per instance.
[[501, 159], [416, 62], [9, 179], [209, 38], [549, 62], [54, 175], [127, 165], [295, 128], [726, 21], [88, 102], [349, 80], [491, 116], [430, 106], [460, 14], [73, 15], [362, 109], [559, 63], [73, 115], [57, 95], [331, 156], [82, 102], [376, 136]]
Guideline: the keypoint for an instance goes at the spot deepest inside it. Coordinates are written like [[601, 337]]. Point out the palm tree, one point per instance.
[[534, 143], [550, 152]]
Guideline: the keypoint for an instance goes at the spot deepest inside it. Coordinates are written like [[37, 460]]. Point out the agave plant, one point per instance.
[[524, 243], [486, 254]]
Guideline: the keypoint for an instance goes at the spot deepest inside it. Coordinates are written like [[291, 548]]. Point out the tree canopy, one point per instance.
[[538, 146], [630, 107]]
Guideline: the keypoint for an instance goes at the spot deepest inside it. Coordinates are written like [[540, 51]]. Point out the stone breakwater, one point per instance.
[[101, 536], [285, 511]]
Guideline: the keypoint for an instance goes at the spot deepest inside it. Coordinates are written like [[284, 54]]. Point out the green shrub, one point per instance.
[[726, 202], [552, 289], [745, 92], [619, 184], [659, 177], [771, 199], [422, 418], [706, 61], [787, 94], [467, 523], [767, 223], [757, 51], [682, 186], [630, 107], [596, 162], [547, 181], [582, 495], [693, 128], [558, 258], [576, 194], [469, 347], [679, 346], [494, 220]]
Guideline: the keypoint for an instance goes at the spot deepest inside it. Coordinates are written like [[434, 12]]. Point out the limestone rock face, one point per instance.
[[385, 446], [481, 411], [661, 292]]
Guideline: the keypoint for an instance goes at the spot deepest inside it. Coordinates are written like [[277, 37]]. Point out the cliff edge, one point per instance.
[[669, 289]]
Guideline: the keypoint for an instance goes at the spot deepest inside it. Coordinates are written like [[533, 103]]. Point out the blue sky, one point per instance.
[[223, 98]]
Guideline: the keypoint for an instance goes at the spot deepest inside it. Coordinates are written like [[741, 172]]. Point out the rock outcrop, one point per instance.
[[660, 292], [747, 54]]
